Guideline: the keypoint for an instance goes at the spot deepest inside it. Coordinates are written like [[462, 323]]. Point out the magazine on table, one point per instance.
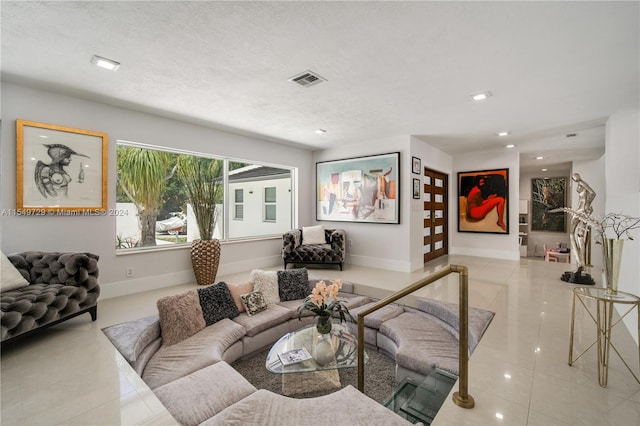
[[294, 356]]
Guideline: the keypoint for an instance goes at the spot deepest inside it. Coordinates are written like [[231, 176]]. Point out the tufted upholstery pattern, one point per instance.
[[332, 252], [62, 285]]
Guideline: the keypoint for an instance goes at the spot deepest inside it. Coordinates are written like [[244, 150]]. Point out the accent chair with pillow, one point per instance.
[[314, 245]]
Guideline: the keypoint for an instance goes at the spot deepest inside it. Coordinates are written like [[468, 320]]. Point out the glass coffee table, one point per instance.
[[329, 353]]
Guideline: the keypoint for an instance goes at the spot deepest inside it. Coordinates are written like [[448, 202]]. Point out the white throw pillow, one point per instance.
[[313, 235], [266, 282], [10, 277]]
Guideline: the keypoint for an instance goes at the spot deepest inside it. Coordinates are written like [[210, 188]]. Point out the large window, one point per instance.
[[157, 189]]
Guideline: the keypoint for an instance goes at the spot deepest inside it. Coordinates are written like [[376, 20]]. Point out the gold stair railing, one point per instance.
[[461, 397]]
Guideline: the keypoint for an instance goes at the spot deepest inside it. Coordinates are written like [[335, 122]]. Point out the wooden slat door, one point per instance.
[[436, 207]]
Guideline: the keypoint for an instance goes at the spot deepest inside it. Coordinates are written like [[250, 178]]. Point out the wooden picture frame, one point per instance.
[[483, 201], [60, 170], [416, 165], [360, 189], [548, 194]]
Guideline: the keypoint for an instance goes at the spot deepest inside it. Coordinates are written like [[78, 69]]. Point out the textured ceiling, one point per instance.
[[393, 68]]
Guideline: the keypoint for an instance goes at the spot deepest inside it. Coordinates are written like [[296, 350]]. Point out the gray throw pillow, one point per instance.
[[217, 303], [293, 284], [253, 302]]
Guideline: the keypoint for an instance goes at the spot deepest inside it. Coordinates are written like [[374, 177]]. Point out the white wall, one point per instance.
[[97, 233], [253, 223], [375, 244], [622, 165], [498, 246]]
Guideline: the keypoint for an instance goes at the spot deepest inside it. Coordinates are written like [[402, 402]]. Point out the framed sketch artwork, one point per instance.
[[361, 189], [416, 165], [483, 201], [548, 194], [416, 189], [60, 170]]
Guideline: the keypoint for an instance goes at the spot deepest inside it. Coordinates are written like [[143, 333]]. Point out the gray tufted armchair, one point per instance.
[[61, 286], [332, 252]]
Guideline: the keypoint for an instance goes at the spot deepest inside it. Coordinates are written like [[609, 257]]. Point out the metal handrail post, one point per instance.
[[462, 397]]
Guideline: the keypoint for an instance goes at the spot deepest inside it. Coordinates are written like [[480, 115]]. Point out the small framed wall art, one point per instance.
[[60, 170], [416, 189], [416, 165]]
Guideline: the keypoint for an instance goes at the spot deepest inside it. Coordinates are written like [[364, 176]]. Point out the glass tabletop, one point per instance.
[[600, 293], [343, 352]]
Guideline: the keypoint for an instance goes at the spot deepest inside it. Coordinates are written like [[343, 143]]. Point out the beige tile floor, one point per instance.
[[71, 375]]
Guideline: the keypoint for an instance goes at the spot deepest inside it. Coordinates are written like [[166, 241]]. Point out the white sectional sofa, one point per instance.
[[193, 378]]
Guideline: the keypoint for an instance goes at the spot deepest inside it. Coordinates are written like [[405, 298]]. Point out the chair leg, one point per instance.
[[341, 266]]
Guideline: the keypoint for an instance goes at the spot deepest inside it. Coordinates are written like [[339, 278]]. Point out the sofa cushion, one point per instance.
[[348, 406], [293, 284], [216, 303], [266, 282], [237, 290], [313, 235], [422, 343], [198, 351], [253, 303], [132, 337], [201, 395], [376, 318], [10, 277], [449, 313], [180, 316], [263, 320]]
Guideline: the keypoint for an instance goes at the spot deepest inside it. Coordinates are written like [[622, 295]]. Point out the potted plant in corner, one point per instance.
[[202, 180]]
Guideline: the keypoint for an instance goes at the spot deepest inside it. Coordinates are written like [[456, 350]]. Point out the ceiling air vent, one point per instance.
[[307, 79]]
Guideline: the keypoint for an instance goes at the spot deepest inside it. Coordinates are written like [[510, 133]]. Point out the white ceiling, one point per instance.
[[393, 68]]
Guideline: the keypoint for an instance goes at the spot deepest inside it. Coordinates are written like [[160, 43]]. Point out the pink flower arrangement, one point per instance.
[[323, 301]]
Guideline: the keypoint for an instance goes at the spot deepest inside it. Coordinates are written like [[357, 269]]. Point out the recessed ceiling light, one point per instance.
[[320, 131], [539, 158], [510, 146], [544, 170], [481, 96], [105, 63], [503, 133]]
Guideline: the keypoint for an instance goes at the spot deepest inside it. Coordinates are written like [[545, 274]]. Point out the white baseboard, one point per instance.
[[379, 263], [480, 252]]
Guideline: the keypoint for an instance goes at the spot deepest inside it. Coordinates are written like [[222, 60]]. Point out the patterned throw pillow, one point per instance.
[[180, 317], [253, 303], [293, 284], [217, 303], [266, 282]]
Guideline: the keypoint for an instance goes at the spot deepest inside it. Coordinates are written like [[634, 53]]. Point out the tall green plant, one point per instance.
[[202, 180], [142, 176]]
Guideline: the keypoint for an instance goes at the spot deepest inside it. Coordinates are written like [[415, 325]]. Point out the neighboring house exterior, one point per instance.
[[260, 201]]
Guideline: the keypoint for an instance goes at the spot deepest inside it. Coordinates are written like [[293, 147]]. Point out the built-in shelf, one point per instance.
[[523, 226]]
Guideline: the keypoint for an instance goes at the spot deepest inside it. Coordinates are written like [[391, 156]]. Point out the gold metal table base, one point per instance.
[[604, 324]]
